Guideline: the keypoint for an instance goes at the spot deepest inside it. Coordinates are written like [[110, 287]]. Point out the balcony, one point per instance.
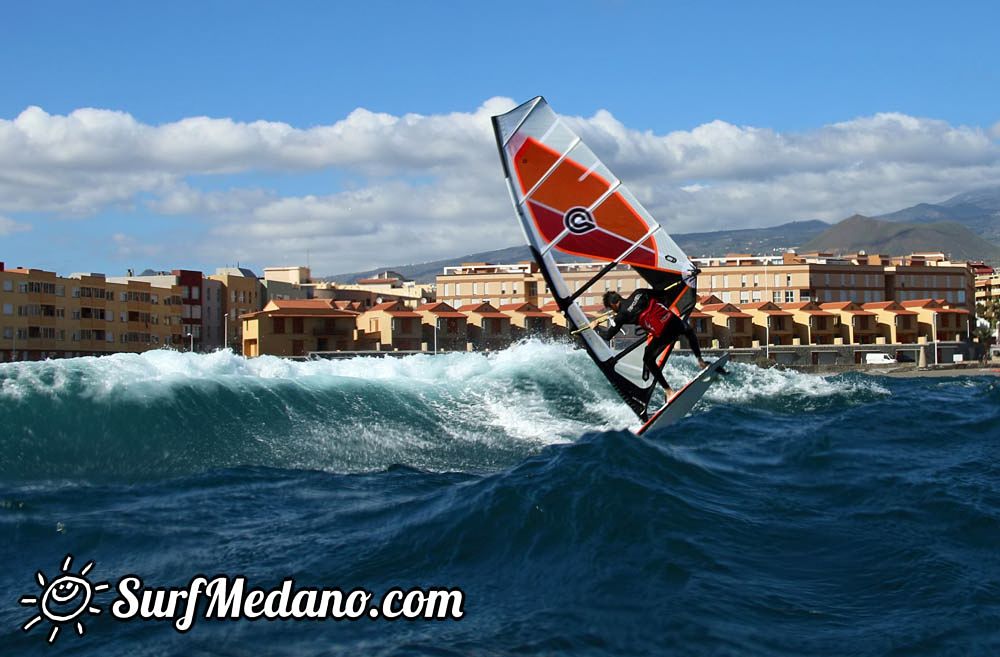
[[329, 332]]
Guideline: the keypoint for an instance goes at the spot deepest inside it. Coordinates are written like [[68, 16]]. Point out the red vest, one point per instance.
[[655, 317]]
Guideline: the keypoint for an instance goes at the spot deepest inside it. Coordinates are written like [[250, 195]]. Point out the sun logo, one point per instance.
[[64, 599]]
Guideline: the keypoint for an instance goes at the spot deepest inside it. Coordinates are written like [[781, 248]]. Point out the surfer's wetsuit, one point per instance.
[[648, 308]]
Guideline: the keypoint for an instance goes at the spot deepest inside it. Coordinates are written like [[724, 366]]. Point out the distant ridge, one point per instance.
[[747, 240], [977, 210], [965, 226], [898, 238]]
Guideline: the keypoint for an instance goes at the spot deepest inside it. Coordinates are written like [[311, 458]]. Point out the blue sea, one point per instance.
[[788, 515]]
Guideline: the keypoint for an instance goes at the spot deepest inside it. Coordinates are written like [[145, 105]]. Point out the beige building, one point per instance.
[[988, 287], [242, 294], [771, 324], [824, 278], [938, 322], [444, 328], [488, 327], [286, 284], [737, 279], [812, 324], [527, 320], [43, 315], [730, 326], [857, 325], [391, 326], [296, 327], [385, 287], [896, 324]]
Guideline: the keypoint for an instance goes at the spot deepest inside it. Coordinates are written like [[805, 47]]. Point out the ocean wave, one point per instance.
[[163, 413]]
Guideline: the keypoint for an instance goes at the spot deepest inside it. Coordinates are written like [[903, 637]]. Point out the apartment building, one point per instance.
[[190, 283], [860, 278], [44, 315], [212, 322], [242, 294], [501, 285], [988, 287], [737, 279], [286, 283]]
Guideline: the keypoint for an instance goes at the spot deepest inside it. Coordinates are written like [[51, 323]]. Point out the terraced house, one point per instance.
[[44, 315]]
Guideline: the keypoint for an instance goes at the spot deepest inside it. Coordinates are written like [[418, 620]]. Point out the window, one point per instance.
[[458, 289], [297, 325], [715, 281], [196, 293], [756, 280], [744, 297], [756, 295], [788, 280], [475, 288], [743, 280], [725, 280], [8, 286], [726, 296], [789, 296], [8, 309], [776, 296]]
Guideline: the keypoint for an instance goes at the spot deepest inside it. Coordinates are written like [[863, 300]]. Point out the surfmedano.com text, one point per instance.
[[229, 598]]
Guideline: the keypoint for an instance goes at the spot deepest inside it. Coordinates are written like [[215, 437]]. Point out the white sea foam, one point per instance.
[[498, 384]]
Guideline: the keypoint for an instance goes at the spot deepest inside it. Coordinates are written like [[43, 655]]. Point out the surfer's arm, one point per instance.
[[615, 328]]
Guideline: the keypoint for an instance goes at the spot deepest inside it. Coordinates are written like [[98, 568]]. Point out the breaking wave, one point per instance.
[[165, 413]]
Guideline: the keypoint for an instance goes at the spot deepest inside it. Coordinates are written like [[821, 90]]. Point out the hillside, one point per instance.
[[750, 240], [894, 237], [978, 211]]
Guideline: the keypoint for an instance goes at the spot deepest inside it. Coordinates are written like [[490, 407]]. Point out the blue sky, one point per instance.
[[791, 70]]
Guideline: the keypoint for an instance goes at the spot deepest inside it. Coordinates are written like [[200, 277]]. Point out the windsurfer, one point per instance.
[[648, 308]]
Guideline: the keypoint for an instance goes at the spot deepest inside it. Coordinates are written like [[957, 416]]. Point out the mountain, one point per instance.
[[897, 237], [978, 210], [749, 240]]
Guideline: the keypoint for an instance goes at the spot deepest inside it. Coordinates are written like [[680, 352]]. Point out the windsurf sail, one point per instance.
[[569, 202]]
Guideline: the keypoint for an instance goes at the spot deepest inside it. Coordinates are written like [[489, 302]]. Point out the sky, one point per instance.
[[354, 135]]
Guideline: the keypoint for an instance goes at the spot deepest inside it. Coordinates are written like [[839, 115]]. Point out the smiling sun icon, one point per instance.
[[65, 599]]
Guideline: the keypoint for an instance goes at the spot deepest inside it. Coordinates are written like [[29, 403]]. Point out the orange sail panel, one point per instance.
[[560, 203]]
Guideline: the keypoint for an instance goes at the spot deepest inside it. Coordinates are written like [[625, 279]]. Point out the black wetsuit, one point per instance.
[[629, 311]]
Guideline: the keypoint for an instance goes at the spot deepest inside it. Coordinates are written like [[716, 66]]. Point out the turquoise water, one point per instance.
[[789, 515]]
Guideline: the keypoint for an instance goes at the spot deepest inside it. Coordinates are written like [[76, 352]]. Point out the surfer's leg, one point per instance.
[[676, 326], [653, 349]]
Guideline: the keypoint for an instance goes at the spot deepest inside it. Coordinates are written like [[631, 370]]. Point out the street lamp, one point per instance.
[[437, 325], [190, 335]]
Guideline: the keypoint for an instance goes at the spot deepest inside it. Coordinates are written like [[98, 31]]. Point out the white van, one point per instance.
[[878, 359]]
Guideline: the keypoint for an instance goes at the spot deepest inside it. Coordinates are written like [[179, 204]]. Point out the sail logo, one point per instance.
[[64, 600], [578, 220]]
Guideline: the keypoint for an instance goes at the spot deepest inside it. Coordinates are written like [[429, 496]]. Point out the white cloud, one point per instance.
[[427, 187], [9, 226], [127, 247]]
